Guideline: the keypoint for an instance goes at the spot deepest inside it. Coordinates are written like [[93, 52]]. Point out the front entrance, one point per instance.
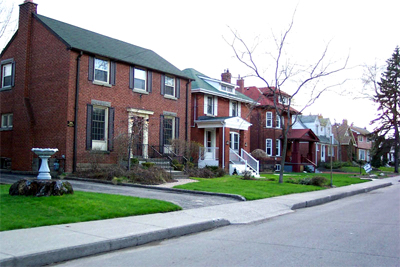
[[234, 141], [209, 143]]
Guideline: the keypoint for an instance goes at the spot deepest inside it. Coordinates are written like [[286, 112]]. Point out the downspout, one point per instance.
[[223, 145], [187, 111], [74, 156]]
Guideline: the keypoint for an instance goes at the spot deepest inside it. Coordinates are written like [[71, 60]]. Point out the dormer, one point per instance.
[[220, 85]]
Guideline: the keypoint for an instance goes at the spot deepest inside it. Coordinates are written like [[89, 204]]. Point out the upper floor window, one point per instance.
[[140, 79], [283, 100], [226, 88], [279, 122], [234, 109], [7, 73], [268, 119], [170, 86], [102, 71], [7, 120], [360, 138]]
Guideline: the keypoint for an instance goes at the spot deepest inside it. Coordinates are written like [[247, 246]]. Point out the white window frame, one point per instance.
[[278, 167], [283, 100], [101, 144], [5, 68], [237, 111], [268, 125], [278, 147], [7, 121], [173, 136], [167, 84], [96, 59], [268, 145], [234, 141], [136, 71], [227, 88], [278, 121], [360, 138], [361, 154]]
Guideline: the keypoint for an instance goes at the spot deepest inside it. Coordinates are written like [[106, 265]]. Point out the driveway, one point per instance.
[[184, 200]]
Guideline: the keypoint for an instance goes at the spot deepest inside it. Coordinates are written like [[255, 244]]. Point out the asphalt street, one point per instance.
[[361, 230], [184, 200]]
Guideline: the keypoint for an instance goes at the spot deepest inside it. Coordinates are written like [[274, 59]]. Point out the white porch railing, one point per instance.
[[251, 161], [209, 153], [235, 158]]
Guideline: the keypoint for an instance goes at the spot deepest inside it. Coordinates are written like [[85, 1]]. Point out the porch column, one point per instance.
[[296, 157], [225, 147], [242, 141]]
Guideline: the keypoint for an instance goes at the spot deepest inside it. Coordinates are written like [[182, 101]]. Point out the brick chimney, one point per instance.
[[240, 83], [344, 122], [226, 76]]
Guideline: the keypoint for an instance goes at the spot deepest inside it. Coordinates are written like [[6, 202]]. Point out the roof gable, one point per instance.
[[93, 43]]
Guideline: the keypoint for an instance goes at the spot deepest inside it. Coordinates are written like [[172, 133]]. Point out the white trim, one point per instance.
[[266, 146], [226, 95], [234, 123]]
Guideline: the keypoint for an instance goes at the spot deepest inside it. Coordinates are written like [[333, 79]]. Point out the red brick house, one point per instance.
[[266, 130], [364, 144], [69, 88], [346, 141], [219, 121]]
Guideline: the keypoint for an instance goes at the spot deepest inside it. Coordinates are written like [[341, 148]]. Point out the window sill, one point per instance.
[[6, 129], [170, 97], [6, 88], [140, 91], [102, 84], [98, 151]]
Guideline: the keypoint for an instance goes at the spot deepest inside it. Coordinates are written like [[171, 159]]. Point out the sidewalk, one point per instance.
[[48, 244]]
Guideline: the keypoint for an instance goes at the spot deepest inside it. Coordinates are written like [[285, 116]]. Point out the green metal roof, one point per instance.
[[199, 83], [97, 44]]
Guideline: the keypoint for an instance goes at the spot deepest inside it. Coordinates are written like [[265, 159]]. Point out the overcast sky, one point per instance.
[[197, 34]]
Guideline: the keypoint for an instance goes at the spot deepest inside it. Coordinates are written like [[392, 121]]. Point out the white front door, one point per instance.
[[209, 143], [234, 141], [323, 153]]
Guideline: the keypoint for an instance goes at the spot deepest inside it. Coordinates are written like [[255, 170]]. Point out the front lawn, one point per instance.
[[18, 212], [266, 187]]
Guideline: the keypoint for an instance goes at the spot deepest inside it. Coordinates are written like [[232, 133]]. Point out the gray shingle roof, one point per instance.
[[199, 83], [101, 45]]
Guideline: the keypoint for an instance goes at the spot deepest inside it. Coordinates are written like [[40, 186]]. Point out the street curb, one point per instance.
[[337, 196], [175, 190], [75, 252]]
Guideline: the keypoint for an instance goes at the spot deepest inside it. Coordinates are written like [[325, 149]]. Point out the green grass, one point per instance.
[[387, 169], [17, 212], [266, 187]]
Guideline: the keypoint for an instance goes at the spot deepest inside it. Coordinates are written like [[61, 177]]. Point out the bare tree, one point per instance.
[[307, 78], [6, 22]]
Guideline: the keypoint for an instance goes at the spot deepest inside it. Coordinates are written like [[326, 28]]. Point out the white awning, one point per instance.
[[218, 122]]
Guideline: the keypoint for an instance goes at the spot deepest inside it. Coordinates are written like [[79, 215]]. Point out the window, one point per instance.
[[277, 167], [234, 109], [140, 79], [234, 141], [361, 154], [169, 86], [7, 120], [278, 121], [283, 100], [226, 88], [101, 69], [99, 128], [7, 73], [268, 147], [169, 130], [210, 105], [360, 138], [269, 119], [277, 147]]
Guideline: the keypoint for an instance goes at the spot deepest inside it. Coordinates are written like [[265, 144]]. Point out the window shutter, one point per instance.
[[89, 127], [131, 77], [162, 84], [177, 128], [178, 87], [149, 81], [230, 108], [13, 74], [239, 109], [216, 106], [91, 68], [110, 143], [113, 72], [161, 133], [205, 104]]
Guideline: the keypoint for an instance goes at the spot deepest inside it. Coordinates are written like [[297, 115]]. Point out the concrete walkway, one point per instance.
[[49, 244]]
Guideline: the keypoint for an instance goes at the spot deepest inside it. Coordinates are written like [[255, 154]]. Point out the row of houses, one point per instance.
[[69, 88]]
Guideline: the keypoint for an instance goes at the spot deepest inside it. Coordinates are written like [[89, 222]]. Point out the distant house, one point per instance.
[[69, 88], [354, 142], [219, 121], [323, 130], [266, 131]]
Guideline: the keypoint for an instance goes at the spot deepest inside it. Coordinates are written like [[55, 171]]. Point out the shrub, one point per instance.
[[318, 181], [179, 167], [148, 165], [259, 154], [335, 165], [305, 181], [247, 175], [292, 181], [134, 161], [207, 172]]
